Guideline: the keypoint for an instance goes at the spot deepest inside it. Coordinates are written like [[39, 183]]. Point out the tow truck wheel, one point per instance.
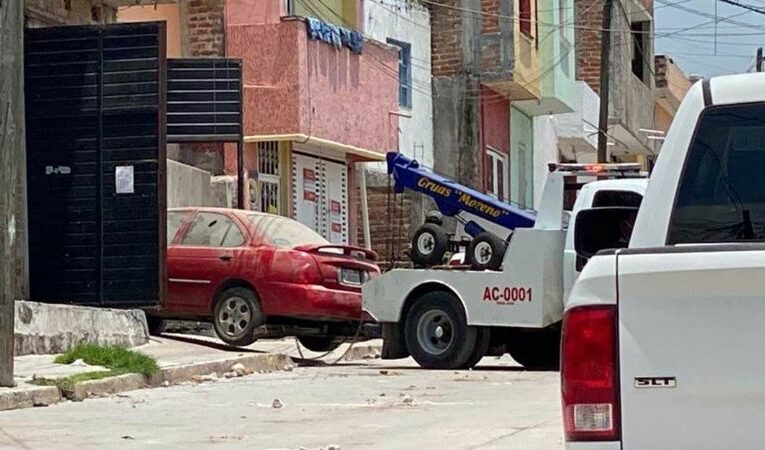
[[486, 251], [429, 244], [481, 347], [437, 335]]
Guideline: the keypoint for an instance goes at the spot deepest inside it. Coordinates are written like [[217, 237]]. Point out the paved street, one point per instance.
[[372, 404]]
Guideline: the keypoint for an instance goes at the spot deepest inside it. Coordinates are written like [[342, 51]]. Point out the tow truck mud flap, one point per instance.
[[394, 346]]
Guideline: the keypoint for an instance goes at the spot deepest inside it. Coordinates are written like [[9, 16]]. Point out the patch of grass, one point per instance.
[[118, 360]]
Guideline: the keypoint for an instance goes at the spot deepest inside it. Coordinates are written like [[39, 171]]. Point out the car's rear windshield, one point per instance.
[[285, 232], [722, 191]]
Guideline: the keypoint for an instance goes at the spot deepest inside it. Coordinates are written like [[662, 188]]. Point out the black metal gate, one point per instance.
[[204, 104], [204, 99], [96, 164]]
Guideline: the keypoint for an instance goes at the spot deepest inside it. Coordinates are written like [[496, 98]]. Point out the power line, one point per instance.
[[711, 16], [745, 6]]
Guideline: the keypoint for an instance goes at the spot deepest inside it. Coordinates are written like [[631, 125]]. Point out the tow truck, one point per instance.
[[449, 317], [486, 219]]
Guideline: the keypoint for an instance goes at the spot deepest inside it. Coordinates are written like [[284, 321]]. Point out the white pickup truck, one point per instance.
[[658, 338], [450, 319]]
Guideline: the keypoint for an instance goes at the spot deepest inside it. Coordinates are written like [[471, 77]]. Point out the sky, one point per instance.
[[739, 33]]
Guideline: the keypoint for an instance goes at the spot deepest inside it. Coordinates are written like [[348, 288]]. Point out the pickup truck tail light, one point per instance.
[[590, 374]]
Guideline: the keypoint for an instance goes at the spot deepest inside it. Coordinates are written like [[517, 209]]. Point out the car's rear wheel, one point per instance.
[[319, 344], [237, 313], [437, 334]]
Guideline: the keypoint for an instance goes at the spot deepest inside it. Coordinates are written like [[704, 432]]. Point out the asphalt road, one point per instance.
[[386, 405]]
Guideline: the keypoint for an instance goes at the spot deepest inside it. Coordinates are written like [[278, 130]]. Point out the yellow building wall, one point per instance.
[[527, 71], [662, 118], [338, 12], [161, 12]]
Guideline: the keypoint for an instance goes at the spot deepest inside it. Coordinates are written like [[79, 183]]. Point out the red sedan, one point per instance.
[[259, 275]]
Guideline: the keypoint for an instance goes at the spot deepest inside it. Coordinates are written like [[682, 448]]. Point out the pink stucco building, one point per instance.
[[312, 110]]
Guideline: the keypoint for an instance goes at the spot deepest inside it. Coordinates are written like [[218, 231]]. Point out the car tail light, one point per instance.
[[590, 375]]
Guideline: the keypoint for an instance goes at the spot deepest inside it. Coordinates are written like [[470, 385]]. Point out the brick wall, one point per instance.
[[589, 16], [445, 39], [490, 23], [384, 223], [202, 30]]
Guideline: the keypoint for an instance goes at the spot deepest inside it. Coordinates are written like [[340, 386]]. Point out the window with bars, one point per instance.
[[497, 176], [404, 72], [269, 177]]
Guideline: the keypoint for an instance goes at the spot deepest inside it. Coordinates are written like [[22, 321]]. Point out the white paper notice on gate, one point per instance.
[[124, 179]]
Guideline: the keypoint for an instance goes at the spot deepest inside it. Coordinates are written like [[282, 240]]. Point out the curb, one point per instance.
[[359, 352], [29, 397], [106, 386], [270, 362], [47, 395]]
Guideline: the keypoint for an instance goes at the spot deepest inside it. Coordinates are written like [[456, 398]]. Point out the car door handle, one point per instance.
[[226, 257]]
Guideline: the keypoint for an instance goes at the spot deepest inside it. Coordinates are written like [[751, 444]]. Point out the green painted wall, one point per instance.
[[521, 158], [556, 49]]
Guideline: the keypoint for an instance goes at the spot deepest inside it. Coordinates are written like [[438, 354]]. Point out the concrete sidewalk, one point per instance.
[[182, 359]]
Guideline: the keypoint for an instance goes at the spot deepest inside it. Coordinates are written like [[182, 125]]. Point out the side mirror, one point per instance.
[[603, 228]]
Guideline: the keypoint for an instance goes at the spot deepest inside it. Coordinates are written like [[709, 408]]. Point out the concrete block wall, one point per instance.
[[191, 186], [42, 328]]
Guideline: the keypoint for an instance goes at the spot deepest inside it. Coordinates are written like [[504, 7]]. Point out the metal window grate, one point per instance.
[[268, 158], [269, 177]]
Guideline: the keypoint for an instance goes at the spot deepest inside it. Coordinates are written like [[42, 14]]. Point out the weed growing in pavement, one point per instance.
[[118, 360]]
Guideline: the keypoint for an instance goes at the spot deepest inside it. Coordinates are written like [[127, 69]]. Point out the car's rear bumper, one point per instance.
[[306, 301]]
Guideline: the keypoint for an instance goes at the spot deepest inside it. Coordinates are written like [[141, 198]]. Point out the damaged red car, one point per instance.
[[256, 275]]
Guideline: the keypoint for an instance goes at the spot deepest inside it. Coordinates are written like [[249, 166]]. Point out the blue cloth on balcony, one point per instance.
[[357, 42], [333, 35], [345, 36], [314, 27]]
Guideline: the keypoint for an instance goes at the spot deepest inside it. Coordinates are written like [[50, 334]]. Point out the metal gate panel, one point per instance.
[[204, 99], [94, 99]]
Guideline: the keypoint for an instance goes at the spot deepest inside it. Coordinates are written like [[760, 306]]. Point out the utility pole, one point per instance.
[[11, 171], [759, 60], [605, 59]]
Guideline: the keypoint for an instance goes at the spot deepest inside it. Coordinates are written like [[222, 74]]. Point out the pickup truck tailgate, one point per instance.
[[692, 347]]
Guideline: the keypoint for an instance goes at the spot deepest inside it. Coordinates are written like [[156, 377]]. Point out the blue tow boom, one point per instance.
[[453, 198]]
